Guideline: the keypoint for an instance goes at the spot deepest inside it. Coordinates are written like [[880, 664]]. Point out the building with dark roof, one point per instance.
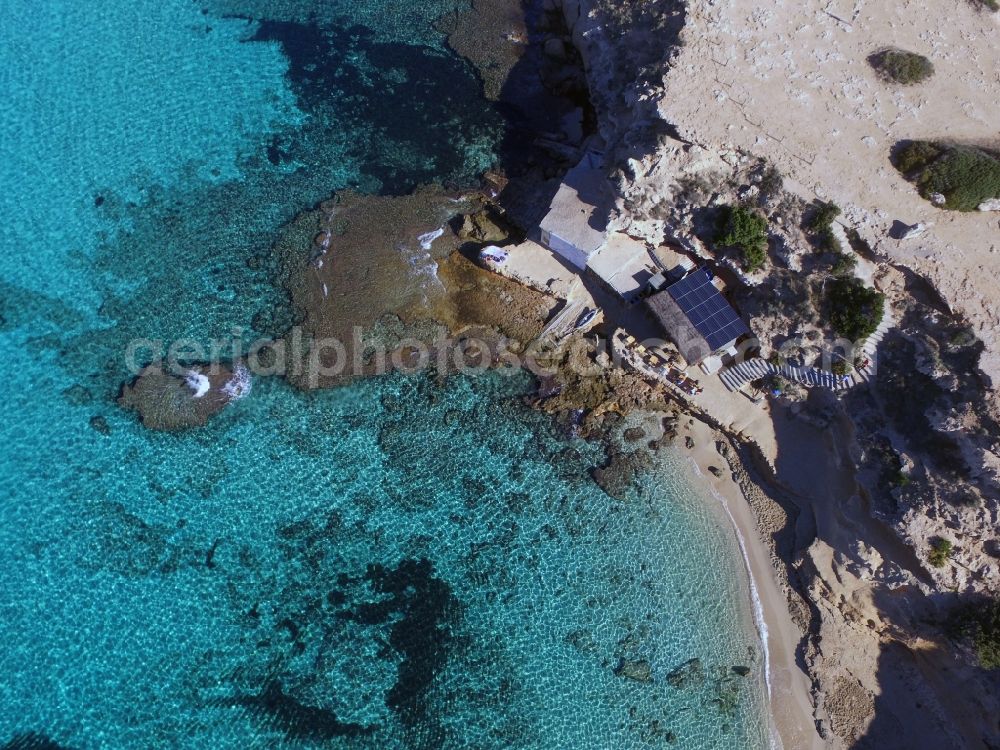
[[696, 317]]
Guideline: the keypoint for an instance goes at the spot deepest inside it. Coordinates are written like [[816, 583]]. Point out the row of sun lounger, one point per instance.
[[659, 364]]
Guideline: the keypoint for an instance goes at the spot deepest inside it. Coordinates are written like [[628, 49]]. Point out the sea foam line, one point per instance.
[[758, 608], [426, 240]]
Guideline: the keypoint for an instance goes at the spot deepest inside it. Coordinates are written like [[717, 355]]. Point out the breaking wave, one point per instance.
[[197, 383], [427, 239], [240, 385]]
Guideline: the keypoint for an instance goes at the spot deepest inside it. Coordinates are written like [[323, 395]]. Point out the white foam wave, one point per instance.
[[197, 383], [426, 240], [424, 268], [240, 385]]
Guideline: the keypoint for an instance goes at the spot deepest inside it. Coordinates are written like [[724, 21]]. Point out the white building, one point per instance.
[[576, 225]]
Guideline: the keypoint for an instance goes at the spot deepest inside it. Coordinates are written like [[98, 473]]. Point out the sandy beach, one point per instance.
[[788, 685]]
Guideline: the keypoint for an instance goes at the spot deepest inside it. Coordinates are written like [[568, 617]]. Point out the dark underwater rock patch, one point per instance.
[[100, 424], [422, 635], [297, 720], [32, 741], [618, 476], [689, 674], [637, 670], [406, 97]]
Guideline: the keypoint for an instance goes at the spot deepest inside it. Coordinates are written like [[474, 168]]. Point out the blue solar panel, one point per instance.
[[707, 309]]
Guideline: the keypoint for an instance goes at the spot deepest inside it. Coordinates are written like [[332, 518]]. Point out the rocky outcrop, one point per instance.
[[183, 397]]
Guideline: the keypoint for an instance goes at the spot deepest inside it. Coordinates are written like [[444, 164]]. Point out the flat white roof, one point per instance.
[[579, 210], [623, 263]]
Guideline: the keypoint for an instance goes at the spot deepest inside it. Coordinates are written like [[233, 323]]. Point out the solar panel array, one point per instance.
[[707, 309]]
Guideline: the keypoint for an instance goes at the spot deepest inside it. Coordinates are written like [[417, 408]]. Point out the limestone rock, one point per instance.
[[993, 204], [480, 227], [914, 231]]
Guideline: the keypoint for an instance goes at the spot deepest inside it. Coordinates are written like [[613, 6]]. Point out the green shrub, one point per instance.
[[823, 216], [754, 257], [915, 155], [987, 636], [819, 221], [940, 552], [855, 310], [901, 479], [771, 182], [901, 66], [745, 229], [841, 367], [979, 622], [844, 265], [966, 176]]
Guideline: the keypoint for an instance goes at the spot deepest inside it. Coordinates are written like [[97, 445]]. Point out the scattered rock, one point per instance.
[[715, 471], [688, 442], [633, 434], [993, 204], [741, 671], [689, 674], [914, 231], [100, 424], [638, 670]]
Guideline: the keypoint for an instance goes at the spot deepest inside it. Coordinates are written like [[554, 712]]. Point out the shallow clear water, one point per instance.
[[401, 563]]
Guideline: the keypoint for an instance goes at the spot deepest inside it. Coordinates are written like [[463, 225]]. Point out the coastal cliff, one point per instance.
[[889, 494]]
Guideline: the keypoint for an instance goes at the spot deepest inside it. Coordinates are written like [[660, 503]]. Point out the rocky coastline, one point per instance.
[[849, 547], [845, 536]]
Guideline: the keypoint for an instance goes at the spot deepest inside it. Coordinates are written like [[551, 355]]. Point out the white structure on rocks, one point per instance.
[[576, 225]]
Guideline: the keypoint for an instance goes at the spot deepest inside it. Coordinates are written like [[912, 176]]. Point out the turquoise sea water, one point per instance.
[[401, 563]]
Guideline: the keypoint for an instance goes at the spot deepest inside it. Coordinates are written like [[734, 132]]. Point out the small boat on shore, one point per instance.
[[585, 317]]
